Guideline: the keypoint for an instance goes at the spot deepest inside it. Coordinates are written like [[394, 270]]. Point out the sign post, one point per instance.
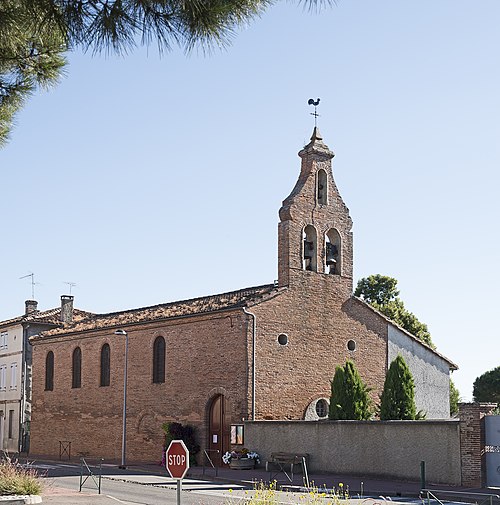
[[177, 463]]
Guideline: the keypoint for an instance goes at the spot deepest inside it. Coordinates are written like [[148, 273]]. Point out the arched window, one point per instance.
[[309, 249], [105, 365], [333, 250], [159, 360], [322, 192], [77, 369], [49, 371]]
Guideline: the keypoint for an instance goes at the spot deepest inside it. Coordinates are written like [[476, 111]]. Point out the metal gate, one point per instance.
[[492, 450]]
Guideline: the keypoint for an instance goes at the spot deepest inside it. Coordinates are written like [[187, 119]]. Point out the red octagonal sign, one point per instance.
[[177, 458]]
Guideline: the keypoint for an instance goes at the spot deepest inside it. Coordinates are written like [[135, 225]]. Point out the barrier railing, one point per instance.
[[209, 459], [479, 498], [85, 468]]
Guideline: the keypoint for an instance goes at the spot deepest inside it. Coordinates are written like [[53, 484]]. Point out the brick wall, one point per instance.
[[318, 324], [472, 442], [302, 208], [205, 356]]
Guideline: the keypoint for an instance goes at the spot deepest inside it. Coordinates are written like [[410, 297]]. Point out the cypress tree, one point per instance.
[[337, 396], [350, 398], [398, 396]]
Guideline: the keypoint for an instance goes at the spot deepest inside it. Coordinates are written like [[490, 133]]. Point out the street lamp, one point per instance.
[[124, 417]]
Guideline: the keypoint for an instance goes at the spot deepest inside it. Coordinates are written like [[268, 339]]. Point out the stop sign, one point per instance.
[[177, 458]]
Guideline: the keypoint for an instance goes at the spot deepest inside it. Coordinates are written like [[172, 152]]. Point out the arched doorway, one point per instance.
[[219, 429]]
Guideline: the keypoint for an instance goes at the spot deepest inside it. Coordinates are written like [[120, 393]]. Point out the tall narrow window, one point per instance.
[[322, 192], [13, 376], [309, 249], [3, 377], [77, 368], [3, 340], [159, 360], [49, 371], [332, 256], [105, 365]]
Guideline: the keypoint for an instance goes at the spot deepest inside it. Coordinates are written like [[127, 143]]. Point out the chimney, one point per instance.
[[31, 306], [66, 308]]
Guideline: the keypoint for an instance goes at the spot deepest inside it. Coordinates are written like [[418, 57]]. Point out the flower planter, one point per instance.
[[242, 464]]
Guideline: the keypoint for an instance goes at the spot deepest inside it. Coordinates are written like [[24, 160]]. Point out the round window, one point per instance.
[[322, 407], [282, 339], [351, 345]]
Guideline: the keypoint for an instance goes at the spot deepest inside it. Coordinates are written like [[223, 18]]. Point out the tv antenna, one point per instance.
[[71, 285], [311, 101], [32, 275]]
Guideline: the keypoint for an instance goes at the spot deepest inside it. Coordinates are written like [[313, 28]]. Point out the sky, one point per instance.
[[146, 179]]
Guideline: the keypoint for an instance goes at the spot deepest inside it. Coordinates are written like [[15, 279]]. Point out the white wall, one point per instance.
[[431, 373], [10, 390]]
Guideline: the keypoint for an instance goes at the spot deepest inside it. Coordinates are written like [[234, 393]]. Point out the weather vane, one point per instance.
[[311, 101]]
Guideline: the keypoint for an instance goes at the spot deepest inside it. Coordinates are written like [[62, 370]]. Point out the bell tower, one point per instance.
[[314, 233]]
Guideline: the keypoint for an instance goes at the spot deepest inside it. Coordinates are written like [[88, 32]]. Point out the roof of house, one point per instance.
[[50, 316], [202, 305]]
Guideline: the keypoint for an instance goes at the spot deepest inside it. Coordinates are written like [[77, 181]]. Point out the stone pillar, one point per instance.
[[472, 442]]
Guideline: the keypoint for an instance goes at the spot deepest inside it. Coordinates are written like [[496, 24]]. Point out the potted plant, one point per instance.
[[242, 459]]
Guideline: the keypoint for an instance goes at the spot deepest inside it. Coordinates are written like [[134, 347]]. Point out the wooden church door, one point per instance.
[[219, 430]]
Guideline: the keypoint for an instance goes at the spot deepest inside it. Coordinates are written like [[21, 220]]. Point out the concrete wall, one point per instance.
[[367, 448], [431, 373]]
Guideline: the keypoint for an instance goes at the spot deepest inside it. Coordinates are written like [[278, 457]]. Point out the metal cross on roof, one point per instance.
[[311, 101]]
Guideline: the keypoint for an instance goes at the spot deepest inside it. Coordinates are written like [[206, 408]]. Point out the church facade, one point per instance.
[[262, 353]]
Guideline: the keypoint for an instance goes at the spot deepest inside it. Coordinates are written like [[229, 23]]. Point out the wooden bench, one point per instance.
[[286, 463]]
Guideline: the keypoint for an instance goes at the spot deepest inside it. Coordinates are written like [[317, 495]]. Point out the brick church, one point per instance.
[[262, 353]]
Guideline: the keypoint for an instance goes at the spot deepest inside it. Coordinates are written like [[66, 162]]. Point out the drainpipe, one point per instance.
[[254, 338]]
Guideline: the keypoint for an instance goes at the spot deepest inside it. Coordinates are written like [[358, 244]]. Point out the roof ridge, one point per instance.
[[249, 290]]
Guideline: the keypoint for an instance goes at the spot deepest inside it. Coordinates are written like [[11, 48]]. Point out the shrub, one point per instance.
[[14, 479], [186, 433]]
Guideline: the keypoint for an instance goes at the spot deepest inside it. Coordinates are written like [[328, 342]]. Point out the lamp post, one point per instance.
[[124, 417]]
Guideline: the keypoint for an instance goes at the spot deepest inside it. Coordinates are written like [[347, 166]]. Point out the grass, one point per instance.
[[14, 479]]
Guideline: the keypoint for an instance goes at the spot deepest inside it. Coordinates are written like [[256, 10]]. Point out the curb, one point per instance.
[[21, 499]]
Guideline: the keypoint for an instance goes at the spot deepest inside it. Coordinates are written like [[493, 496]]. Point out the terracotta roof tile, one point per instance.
[[50, 316], [206, 304]]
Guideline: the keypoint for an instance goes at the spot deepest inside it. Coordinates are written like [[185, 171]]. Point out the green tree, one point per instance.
[[381, 293], [34, 34], [31, 56], [454, 398], [487, 387], [377, 289], [350, 397], [398, 396]]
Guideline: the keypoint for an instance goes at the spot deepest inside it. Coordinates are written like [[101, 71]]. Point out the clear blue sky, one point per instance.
[[146, 180]]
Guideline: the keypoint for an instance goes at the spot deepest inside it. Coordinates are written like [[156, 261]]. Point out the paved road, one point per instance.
[[62, 483]]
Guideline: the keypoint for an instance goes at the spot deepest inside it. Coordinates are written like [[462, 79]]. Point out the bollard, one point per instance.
[[422, 475]]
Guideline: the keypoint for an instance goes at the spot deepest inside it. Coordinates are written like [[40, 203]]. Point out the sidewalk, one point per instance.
[[357, 485]]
